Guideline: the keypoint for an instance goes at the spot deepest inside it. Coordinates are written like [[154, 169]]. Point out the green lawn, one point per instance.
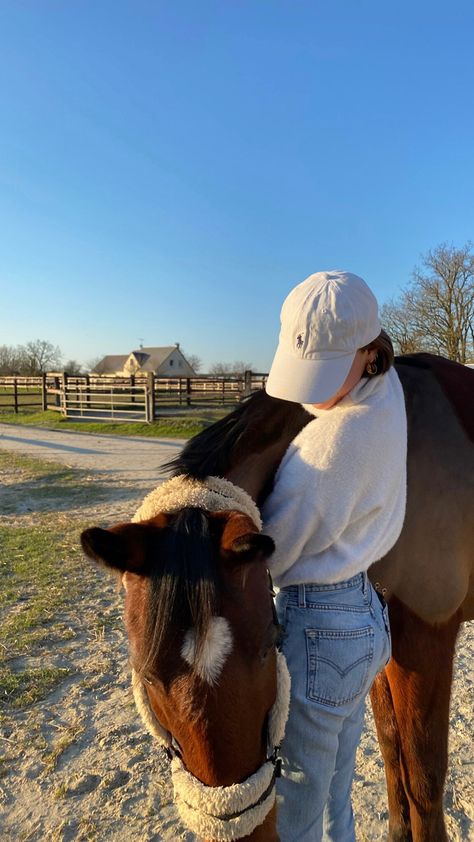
[[182, 425], [42, 576]]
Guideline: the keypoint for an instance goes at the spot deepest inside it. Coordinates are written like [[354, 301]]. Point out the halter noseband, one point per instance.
[[223, 812]]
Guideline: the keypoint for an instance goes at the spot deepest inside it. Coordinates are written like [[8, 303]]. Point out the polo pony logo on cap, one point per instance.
[[299, 340]]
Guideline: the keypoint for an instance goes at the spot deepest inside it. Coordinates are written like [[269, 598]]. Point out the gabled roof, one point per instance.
[[156, 356], [140, 356], [111, 363]]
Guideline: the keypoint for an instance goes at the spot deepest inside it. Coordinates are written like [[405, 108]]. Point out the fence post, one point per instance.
[[15, 395], [132, 388], [44, 393], [88, 390], [247, 383], [188, 391], [64, 378], [150, 397]]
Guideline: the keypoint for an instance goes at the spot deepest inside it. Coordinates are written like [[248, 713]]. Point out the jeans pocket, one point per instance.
[[338, 664]]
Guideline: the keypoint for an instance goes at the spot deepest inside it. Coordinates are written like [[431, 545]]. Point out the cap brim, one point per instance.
[[307, 381]]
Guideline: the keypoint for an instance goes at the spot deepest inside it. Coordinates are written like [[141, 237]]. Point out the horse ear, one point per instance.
[[240, 539], [122, 548]]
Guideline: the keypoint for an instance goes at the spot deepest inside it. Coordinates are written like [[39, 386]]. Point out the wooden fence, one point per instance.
[[135, 398]]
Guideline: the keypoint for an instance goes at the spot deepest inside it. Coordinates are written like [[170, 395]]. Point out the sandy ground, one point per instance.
[[109, 781]]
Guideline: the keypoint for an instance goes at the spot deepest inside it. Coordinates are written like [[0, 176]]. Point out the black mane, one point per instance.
[[184, 588], [254, 425]]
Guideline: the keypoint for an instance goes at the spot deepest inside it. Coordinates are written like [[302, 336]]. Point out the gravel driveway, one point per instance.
[[135, 460]]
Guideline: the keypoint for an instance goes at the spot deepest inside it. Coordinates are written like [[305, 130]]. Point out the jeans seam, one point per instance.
[[316, 606]]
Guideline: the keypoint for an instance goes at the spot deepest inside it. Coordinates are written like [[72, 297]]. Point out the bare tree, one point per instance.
[[73, 367], [12, 359], [194, 361], [398, 322], [41, 355], [436, 311], [235, 369]]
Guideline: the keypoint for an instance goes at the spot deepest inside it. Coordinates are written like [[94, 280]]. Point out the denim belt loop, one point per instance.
[[365, 582], [301, 596]]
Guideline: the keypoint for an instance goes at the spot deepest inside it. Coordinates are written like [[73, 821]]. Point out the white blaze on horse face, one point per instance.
[[214, 651]]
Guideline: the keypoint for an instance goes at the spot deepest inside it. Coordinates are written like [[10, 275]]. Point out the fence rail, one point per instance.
[[138, 397]]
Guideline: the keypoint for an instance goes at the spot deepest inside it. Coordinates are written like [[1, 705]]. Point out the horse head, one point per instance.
[[202, 633]]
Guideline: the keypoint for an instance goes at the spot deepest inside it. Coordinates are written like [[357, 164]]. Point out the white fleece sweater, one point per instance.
[[338, 502]]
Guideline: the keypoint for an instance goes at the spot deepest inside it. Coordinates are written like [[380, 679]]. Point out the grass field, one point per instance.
[[41, 578], [183, 425]]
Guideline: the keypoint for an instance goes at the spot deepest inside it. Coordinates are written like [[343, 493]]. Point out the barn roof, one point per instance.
[[152, 358], [111, 363]]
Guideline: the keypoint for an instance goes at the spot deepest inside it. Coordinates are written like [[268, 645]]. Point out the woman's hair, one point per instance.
[[385, 356]]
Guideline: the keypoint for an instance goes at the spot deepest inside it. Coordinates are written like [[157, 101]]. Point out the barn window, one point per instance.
[[171, 362]]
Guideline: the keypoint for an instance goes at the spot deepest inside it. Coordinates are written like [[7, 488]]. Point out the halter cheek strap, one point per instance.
[[224, 812]]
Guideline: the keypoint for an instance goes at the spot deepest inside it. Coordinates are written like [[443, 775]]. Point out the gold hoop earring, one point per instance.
[[371, 369]]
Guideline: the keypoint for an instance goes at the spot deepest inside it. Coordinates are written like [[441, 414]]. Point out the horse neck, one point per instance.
[[255, 472], [253, 465], [245, 446]]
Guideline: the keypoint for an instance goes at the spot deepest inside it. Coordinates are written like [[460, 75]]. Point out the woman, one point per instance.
[[337, 506]]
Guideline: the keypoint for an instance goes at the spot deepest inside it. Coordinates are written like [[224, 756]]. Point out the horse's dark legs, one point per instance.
[[419, 677], [389, 741]]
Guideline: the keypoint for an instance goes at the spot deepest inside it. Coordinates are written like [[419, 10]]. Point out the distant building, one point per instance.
[[167, 361]]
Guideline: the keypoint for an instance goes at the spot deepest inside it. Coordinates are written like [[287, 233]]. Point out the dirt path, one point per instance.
[[80, 766], [136, 461]]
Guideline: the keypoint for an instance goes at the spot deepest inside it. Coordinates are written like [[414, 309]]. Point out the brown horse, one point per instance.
[[184, 569]]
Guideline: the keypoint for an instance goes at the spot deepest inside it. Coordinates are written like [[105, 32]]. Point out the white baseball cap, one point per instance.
[[324, 322]]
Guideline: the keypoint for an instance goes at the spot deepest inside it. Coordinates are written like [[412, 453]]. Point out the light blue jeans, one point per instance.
[[336, 639]]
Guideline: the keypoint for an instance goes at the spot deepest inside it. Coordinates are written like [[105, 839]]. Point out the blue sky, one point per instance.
[[169, 170]]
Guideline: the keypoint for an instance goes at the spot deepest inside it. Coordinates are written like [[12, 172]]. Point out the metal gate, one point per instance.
[[103, 402]]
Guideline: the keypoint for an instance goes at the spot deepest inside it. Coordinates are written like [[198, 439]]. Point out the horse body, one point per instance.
[[430, 568], [427, 578]]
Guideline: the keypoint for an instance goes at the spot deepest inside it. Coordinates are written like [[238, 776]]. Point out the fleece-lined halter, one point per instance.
[[224, 812], [218, 812], [214, 494]]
